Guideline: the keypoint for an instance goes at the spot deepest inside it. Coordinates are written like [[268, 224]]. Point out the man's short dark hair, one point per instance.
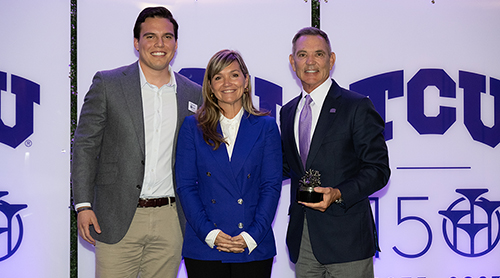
[[161, 12], [311, 31]]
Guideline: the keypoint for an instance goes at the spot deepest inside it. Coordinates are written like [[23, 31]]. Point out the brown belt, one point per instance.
[[158, 202]]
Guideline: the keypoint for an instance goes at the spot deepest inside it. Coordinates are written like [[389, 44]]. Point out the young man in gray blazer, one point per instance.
[[123, 156], [344, 142]]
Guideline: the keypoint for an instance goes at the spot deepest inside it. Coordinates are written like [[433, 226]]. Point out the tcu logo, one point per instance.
[[472, 84], [14, 232], [477, 217], [27, 93]]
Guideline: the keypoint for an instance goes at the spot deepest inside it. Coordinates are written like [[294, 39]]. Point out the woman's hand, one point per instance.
[[229, 244]]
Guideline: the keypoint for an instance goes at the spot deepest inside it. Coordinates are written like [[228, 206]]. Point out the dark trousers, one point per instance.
[[218, 269]]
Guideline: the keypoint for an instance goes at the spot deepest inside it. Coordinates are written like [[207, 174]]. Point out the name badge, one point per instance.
[[192, 107]]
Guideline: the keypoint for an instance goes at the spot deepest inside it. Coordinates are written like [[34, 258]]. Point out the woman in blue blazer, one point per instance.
[[228, 173]]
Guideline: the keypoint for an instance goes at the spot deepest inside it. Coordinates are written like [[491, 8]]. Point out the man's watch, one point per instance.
[[82, 209]]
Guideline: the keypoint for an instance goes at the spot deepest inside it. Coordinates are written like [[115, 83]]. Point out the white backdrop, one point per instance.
[[370, 38], [261, 30], [34, 145], [428, 161]]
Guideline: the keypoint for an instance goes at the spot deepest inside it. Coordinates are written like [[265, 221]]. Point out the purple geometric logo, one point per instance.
[[13, 229], [471, 223]]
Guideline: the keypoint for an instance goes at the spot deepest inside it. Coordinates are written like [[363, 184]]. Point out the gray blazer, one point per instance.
[[109, 147]]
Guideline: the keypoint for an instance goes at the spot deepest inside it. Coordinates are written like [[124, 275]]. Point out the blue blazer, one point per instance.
[[349, 150], [233, 196]]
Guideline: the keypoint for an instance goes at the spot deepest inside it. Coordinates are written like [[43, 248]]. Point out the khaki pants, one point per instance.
[[150, 249]]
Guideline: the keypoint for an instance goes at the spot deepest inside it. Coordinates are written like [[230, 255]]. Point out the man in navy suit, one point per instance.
[[335, 237], [123, 156]]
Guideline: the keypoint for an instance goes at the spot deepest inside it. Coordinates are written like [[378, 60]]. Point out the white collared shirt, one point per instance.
[[160, 122], [230, 129], [318, 96]]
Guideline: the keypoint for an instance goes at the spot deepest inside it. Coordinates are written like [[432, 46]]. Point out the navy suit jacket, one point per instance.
[[234, 195], [349, 150], [109, 147]]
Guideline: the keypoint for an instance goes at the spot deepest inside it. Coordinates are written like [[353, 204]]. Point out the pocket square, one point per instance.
[[333, 110]]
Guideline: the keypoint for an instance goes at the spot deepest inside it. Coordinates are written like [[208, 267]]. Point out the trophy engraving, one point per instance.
[[305, 192]]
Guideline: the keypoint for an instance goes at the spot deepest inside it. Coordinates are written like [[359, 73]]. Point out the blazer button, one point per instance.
[[213, 201], [209, 174], [240, 201], [139, 186], [248, 176], [142, 162], [240, 225]]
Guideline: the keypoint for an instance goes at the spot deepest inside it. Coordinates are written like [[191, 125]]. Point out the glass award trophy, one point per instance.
[[307, 184]]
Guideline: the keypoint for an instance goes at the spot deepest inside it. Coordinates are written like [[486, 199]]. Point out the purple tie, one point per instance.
[[305, 129]]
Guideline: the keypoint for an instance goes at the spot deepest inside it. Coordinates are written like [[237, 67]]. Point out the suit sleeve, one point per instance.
[[87, 141], [187, 179], [370, 148]]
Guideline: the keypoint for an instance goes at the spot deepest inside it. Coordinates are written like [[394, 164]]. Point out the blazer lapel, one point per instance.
[[248, 133], [288, 136], [327, 116], [131, 88], [222, 159], [186, 103]]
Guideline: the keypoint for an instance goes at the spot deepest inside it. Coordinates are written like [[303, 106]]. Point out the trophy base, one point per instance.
[[309, 196]]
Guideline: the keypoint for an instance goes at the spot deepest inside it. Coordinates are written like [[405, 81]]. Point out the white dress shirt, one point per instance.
[[318, 96], [160, 121]]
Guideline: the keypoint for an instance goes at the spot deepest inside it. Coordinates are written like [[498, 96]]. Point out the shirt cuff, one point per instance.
[[251, 244], [81, 205], [210, 239]]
